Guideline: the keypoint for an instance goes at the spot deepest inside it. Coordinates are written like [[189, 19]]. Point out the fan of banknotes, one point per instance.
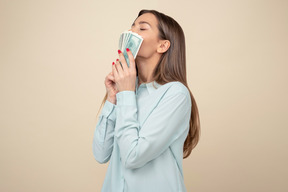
[[131, 40]]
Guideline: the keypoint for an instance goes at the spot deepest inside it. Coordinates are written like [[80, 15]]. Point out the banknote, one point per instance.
[[132, 41]]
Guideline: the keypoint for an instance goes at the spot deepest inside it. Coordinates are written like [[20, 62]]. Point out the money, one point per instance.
[[132, 41]]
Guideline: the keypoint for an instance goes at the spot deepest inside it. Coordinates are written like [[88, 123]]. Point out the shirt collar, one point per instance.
[[151, 87]]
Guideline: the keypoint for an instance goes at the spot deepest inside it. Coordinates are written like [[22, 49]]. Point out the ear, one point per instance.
[[163, 46]]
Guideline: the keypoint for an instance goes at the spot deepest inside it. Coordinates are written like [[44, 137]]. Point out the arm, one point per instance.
[[104, 133], [167, 122]]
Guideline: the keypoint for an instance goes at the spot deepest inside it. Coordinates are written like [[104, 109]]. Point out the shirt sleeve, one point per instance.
[[167, 122], [104, 133]]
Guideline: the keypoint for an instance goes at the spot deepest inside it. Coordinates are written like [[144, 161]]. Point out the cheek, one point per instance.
[[148, 47]]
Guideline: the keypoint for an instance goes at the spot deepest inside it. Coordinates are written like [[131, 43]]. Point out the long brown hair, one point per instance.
[[172, 67]]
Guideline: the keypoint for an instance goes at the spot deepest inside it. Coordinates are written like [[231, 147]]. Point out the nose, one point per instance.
[[131, 30]]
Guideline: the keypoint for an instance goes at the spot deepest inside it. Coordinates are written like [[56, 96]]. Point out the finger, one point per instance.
[[111, 77], [114, 70], [119, 64], [110, 74], [119, 68], [131, 59], [123, 61]]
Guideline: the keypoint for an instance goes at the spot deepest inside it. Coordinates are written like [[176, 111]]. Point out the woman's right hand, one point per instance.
[[111, 88]]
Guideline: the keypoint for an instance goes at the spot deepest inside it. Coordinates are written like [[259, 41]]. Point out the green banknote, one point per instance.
[[132, 41]]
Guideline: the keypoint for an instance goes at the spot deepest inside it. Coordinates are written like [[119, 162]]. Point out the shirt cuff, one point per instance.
[[108, 110], [126, 98]]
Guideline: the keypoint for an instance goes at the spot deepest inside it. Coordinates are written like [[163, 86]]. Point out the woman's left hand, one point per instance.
[[125, 77]]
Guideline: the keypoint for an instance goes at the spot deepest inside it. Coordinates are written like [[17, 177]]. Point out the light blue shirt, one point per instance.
[[143, 137]]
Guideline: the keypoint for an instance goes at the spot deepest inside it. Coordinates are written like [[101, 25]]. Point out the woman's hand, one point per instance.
[[111, 88], [125, 77]]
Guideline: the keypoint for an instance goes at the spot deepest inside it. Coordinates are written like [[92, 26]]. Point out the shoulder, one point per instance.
[[176, 88]]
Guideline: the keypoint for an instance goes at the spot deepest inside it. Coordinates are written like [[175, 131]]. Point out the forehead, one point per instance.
[[147, 17]]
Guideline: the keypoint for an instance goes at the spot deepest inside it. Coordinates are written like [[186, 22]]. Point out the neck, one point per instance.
[[145, 68]]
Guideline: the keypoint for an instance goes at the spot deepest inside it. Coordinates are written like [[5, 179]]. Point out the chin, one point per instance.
[[142, 56], [139, 57]]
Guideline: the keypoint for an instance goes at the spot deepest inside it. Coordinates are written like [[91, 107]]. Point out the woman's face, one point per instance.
[[146, 25]]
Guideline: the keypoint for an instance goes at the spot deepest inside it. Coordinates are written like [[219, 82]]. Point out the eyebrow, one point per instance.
[[141, 22]]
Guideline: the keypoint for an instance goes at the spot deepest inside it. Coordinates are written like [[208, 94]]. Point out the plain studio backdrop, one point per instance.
[[54, 56]]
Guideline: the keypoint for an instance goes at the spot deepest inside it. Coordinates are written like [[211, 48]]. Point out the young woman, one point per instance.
[[149, 121]]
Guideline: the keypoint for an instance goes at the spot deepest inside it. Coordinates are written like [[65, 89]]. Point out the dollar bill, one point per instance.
[[132, 41]]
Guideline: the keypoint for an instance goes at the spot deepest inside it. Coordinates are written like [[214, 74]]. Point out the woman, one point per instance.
[[149, 121]]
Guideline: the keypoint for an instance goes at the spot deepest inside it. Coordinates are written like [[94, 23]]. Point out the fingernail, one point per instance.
[[117, 59], [119, 51], [127, 49], [113, 63]]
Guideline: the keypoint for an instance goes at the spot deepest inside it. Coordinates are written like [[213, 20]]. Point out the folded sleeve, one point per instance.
[[104, 133], [166, 123]]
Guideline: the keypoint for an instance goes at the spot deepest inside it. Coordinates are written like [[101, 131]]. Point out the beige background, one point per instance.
[[55, 54]]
